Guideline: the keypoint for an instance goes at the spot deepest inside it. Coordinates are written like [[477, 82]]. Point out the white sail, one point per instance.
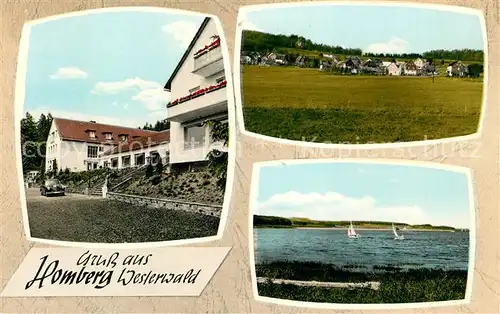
[[394, 231], [396, 235], [351, 233]]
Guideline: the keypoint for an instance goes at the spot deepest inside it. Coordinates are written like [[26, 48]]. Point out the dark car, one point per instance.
[[52, 187]]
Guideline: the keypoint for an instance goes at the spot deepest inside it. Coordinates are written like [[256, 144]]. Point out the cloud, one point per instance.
[[148, 93], [247, 25], [182, 32], [244, 23], [129, 121], [154, 98], [335, 206], [69, 73], [395, 45]]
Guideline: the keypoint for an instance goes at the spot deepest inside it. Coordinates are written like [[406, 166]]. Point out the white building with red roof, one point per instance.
[[198, 93], [85, 145]]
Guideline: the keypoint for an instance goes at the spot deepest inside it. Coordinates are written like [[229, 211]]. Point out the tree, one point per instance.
[[149, 170], [475, 69], [218, 160], [159, 166]]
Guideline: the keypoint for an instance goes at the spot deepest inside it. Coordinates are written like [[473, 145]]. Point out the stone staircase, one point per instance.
[[122, 180]]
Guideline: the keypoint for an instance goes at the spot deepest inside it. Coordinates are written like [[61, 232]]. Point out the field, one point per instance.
[[309, 105], [396, 285]]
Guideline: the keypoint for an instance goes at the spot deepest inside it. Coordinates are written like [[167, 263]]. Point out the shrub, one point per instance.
[[159, 166], [149, 171], [155, 179]]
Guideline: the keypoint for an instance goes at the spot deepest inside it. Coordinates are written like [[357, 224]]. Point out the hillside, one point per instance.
[[260, 221], [254, 41]]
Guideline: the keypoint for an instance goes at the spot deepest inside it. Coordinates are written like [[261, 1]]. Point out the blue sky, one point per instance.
[[381, 29], [359, 191], [110, 67]]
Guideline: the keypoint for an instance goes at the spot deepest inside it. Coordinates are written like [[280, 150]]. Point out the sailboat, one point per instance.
[[351, 233], [396, 235]]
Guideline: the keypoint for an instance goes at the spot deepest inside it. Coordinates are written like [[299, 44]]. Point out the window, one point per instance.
[[194, 136], [123, 137], [126, 161], [194, 89], [108, 136], [220, 79], [101, 148], [92, 152], [91, 134]]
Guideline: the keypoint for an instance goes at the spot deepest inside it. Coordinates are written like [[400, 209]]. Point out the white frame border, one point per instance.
[[349, 306], [449, 8], [19, 99]]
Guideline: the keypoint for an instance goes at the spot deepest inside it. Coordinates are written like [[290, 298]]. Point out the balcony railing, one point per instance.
[[209, 63]]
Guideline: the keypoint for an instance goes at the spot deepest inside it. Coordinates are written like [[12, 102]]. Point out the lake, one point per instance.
[[430, 249]]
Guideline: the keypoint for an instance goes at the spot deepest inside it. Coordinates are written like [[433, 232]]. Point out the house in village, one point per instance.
[[352, 65], [394, 69], [374, 66], [428, 69], [457, 69], [80, 145], [280, 59], [410, 68], [245, 60], [326, 66], [419, 63], [301, 60], [198, 93]]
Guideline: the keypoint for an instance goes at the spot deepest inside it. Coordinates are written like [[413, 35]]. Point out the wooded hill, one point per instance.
[[260, 221], [254, 41]]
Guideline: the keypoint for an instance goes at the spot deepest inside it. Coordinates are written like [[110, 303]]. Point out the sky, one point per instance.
[[109, 67], [372, 28], [360, 191]]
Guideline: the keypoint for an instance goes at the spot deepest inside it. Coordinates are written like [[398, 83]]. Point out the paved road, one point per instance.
[[33, 195], [81, 218]]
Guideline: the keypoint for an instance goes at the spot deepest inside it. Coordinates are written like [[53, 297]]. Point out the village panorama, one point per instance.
[[293, 88]]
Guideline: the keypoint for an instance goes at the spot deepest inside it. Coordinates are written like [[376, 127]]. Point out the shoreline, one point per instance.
[[361, 229]]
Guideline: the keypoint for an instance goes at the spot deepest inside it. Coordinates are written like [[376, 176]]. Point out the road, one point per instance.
[[81, 218], [33, 195]]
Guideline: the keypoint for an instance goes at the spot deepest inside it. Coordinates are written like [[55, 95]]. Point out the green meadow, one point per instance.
[[308, 105]]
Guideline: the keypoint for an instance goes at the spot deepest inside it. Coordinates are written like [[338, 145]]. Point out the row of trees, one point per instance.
[[261, 42], [34, 133], [265, 42], [160, 125]]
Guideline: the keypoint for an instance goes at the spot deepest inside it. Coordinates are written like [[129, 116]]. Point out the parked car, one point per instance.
[[52, 187]]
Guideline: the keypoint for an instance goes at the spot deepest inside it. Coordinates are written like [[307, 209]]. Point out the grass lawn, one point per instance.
[[397, 286], [306, 104], [109, 221]]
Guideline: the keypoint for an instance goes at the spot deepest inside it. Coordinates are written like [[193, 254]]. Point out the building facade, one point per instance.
[[198, 94], [86, 145]]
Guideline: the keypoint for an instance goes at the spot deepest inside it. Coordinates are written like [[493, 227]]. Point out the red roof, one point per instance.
[[140, 143], [73, 130]]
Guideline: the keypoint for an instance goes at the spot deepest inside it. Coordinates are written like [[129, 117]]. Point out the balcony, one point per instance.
[[203, 103], [209, 63]]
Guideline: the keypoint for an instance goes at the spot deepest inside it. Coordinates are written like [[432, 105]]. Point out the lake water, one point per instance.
[[436, 249]]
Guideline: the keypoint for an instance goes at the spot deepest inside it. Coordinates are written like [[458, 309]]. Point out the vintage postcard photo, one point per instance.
[[123, 125], [361, 232], [361, 74]]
